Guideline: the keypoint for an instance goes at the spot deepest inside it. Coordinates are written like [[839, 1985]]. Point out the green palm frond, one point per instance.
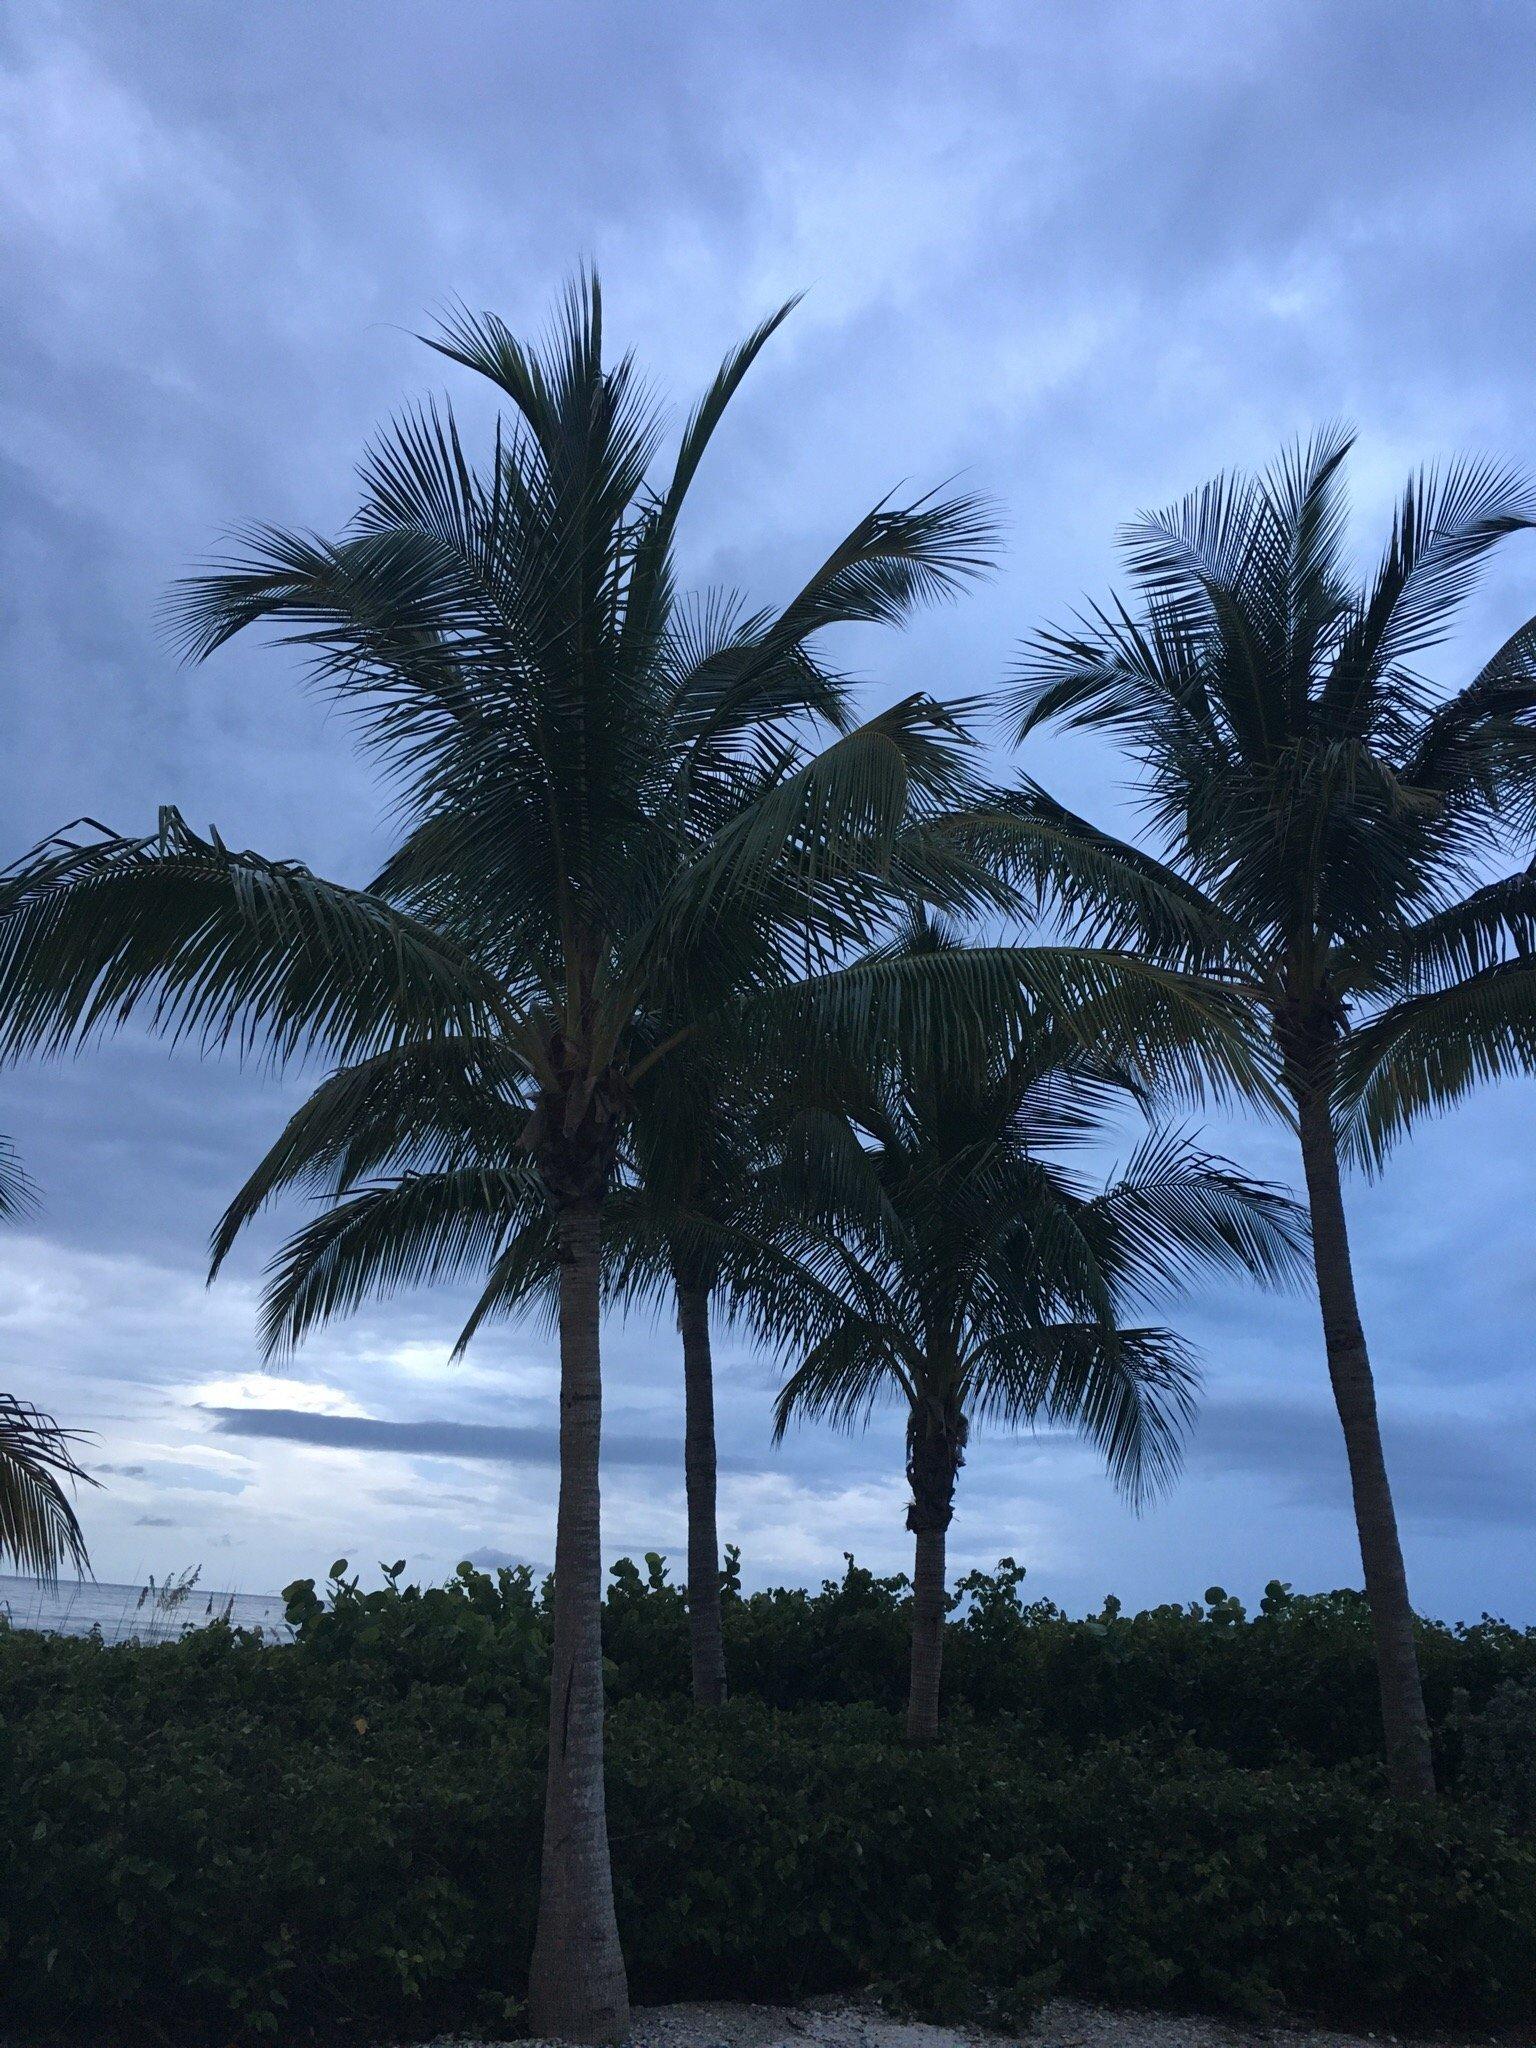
[[39, 1530], [847, 1373], [222, 947], [1177, 1212], [1128, 1392], [409, 1232], [420, 1107], [1490, 927], [1428, 1052], [1182, 1036], [1445, 524], [1098, 884], [18, 1196]]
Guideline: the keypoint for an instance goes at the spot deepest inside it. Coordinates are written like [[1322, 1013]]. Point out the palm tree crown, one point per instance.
[[954, 1261], [1329, 817]]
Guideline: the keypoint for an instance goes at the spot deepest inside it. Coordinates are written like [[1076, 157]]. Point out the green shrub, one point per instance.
[[1497, 1752], [224, 1840]]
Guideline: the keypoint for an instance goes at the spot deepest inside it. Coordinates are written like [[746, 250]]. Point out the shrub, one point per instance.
[[1497, 1752], [223, 1839]]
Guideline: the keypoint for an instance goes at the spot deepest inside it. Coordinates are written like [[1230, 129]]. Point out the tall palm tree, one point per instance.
[[1331, 825], [570, 743], [951, 1260]]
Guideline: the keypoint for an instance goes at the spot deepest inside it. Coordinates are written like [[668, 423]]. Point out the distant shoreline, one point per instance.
[[123, 1613]]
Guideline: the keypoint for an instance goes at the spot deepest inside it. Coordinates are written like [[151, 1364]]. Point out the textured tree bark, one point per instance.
[[705, 1635], [934, 1451], [928, 1609], [1410, 1763], [577, 1986]]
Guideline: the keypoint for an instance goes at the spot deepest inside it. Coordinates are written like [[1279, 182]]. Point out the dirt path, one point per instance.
[[1063, 2024]]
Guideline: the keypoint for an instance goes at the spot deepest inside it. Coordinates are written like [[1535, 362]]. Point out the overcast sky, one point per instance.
[[1083, 255]]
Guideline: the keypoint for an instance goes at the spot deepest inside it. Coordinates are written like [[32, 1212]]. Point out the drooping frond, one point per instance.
[[857, 1364], [421, 1107], [1491, 927], [1112, 893], [39, 1530], [408, 1232], [1177, 1212], [222, 947], [18, 1196], [1128, 1392], [1425, 1054], [1183, 1036]]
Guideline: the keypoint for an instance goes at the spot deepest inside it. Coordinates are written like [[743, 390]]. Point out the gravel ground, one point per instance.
[[1063, 2024]]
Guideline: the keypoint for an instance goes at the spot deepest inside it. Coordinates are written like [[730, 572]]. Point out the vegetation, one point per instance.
[[1335, 825], [686, 983], [218, 1841]]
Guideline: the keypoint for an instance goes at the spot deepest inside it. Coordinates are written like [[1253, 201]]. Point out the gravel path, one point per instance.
[[1063, 2024]]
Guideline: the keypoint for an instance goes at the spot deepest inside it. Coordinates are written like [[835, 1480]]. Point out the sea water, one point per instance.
[[150, 1614]]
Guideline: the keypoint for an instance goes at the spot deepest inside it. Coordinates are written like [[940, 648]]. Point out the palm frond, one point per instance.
[[1446, 523], [1425, 1054], [222, 947], [409, 1232], [854, 1366], [420, 1107], [18, 1195], [1177, 1212], [1130, 1393], [1182, 1037], [1103, 888], [39, 1529]]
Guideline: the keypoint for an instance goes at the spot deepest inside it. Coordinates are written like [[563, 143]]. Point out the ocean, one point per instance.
[[150, 1614]]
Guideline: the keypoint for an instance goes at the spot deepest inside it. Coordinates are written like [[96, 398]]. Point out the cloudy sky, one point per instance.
[[1084, 256]]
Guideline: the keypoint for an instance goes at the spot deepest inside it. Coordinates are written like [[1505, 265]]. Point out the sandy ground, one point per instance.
[[1063, 2024]]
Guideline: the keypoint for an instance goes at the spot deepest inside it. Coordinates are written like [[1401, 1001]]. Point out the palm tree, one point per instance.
[[1326, 830], [609, 819], [613, 816], [952, 1261]]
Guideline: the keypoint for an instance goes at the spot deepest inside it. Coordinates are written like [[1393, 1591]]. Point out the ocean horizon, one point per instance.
[[148, 1613]]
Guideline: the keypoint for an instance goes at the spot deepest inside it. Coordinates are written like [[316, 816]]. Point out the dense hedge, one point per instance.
[[222, 1840]]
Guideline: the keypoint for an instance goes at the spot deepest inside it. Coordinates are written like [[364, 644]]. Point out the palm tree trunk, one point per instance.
[[1410, 1764], [928, 1609], [933, 1459], [577, 1986], [705, 1636]]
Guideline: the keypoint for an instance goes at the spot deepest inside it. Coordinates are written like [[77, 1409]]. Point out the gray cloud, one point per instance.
[[1445, 1469], [1083, 259], [437, 1438]]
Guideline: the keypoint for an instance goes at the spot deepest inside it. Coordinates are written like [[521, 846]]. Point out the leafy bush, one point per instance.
[[1497, 1759], [228, 1840]]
